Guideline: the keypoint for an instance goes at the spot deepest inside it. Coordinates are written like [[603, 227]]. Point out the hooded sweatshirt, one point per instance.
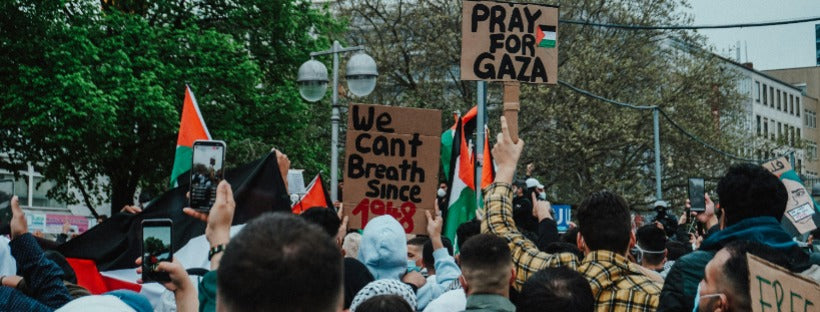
[[383, 249]]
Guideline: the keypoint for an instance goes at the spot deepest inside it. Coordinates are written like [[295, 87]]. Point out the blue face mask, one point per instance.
[[411, 266]]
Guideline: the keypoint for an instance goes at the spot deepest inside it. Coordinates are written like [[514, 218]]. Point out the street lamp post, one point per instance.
[[361, 76]]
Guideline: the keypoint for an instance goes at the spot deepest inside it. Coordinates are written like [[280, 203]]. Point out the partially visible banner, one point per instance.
[[562, 217]]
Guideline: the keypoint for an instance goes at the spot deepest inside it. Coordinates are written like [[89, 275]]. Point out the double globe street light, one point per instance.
[[361, 74]]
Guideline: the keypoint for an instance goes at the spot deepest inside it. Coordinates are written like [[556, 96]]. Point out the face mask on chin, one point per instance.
[[542, 196], [698, 297], [441, 192]]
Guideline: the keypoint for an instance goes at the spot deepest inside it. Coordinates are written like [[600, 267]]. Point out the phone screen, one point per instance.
[[206, 172], [156, 247], [697, 195]]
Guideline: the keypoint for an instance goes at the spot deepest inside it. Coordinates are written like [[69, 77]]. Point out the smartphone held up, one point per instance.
[[156, 247], [207, 170], [697, 195]]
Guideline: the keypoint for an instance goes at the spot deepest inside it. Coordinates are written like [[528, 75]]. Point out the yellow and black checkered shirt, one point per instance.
[[617, 284]]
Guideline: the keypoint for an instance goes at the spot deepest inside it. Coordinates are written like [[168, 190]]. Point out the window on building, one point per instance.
[[799, 166], [17, 187], [765, 97], [771, 97], [791, 136], [757, 91], [758, 125], [765, 127], [798, 135], [778, 99], [797, 105], [779, 130], [791, 104]]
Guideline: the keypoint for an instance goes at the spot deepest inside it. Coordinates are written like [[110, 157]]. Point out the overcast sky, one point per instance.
[[769, 47]]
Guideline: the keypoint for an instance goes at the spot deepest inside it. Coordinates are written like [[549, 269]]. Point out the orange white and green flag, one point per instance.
[[191, 128]]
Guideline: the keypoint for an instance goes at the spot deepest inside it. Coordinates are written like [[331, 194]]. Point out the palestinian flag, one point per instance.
[[545, 36], [461, 195], [191, 128], [316, 196], [103, 257]]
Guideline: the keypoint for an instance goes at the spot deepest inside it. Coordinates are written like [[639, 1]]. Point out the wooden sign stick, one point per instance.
[[512, 104]]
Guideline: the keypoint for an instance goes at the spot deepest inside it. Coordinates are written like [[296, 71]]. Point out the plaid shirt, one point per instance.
[[616, 284], [528, 259]]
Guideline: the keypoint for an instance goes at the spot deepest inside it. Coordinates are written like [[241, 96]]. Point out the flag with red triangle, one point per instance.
[[316, 196], [460, 171], [191, 128]]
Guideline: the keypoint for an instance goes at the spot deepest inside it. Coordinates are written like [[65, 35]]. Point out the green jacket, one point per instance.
[[678, 292], [207, 292], [489, 303]]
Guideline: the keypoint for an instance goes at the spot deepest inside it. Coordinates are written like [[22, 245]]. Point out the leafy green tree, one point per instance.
[[94, 89], [578, 144]]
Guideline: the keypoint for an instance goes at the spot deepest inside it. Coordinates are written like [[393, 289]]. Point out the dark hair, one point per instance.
[[749, 190], [323, 217], [466, 230], [385, 303], [651, 238], [604, 222], [485, 262], [281, 262], [675, 250], [556, 289], [418, 241], [571, 236], [427, 254], [736, 268], [559, 247]]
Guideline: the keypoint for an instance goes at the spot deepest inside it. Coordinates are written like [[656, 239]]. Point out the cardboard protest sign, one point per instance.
[[391, 164], [773, 288], [778, 166], [800, 210], [509, 42]]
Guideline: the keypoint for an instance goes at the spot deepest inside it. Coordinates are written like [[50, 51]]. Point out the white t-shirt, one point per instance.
[[453, 300]]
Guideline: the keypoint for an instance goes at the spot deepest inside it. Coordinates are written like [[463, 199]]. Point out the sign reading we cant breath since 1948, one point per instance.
[[504, 41], [391, 164]]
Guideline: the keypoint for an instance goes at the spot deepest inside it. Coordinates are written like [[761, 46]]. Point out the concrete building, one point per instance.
[[807, 80], [44, 213], [774, 112]]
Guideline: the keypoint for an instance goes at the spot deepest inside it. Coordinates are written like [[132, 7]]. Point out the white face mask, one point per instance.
[[441, 192], [698, 297], [542, 196]]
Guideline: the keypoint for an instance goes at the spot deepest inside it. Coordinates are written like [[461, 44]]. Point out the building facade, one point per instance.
[[44, 213], [807, 80], [774, 112]]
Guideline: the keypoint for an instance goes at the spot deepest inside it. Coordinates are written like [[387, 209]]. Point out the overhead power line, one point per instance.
[[674, 124], [680, 27]]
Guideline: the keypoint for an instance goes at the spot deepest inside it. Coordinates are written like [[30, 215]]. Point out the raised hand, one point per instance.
[[18, 223], [506, 154]]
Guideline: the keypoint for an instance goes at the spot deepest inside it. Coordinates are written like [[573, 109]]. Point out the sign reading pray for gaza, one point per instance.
[[504, 41]]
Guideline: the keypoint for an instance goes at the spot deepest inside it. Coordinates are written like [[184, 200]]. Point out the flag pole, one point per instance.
[[481, 94]]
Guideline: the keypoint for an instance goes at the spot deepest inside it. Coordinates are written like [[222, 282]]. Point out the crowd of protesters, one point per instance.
[[510, 258]]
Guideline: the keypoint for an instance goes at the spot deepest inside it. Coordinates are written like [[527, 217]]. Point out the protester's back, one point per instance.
[[280, 262]]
